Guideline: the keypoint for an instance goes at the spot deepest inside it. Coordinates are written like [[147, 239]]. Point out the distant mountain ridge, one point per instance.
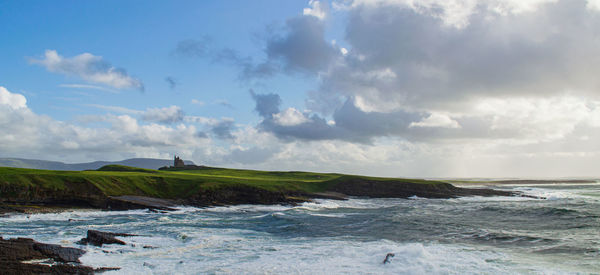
[[147, 163]]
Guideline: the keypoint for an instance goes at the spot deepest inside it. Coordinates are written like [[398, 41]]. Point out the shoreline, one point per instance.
[[27, 256], [124, 188], [164, 206]]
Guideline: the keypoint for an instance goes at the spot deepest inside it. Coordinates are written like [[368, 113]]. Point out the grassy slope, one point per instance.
[[118, 180]]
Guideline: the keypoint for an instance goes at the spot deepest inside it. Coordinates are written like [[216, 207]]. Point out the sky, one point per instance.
[[401, 88]]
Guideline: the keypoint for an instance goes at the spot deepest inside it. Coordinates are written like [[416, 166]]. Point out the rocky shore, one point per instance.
[[34, 200], [26, 256]]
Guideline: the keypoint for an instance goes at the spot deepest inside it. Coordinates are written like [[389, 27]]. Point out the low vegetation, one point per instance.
[[202, 187], [117, 180]]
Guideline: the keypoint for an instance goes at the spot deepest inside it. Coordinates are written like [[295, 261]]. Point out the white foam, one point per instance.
[[352, 203], [233, 252], [491, 199], [247, 208], [76, 215], [315, 205], [178, 242], [555, 194]]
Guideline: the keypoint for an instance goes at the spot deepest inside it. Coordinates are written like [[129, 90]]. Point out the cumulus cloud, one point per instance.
[[30, 135], [350, 123], [171, 114], [266, 104], [436, 120], [27, 134], [11, 100], [289, 117], [223, 129], [422, 70], [300, 46], [501, 48], [316, 8], [509, 121], [90, 68], [413, 88], [429, 71]]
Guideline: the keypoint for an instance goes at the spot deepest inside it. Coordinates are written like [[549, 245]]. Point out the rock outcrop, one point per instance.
[[18, 256], [353, 186], [98, 238]]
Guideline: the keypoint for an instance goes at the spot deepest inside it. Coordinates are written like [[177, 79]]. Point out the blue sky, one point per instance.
[[381, 87], [140, 37]]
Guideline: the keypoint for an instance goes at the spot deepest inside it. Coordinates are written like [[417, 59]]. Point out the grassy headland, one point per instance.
[[120, 187]]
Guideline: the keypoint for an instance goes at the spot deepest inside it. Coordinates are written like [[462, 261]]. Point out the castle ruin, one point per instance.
[[178, 163]]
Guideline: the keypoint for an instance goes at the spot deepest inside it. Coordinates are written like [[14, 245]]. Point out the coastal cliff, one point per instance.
[[119, 187]]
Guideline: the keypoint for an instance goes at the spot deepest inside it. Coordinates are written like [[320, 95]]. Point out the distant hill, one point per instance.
[[146, 163]]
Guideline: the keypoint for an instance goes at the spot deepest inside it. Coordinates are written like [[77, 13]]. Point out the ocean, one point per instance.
[[470, 235]]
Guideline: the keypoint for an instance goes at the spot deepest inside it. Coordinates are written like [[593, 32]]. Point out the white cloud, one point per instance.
[[13, 101], [27, 134], [456, 13], [200, 120], [404, 57], [169, 114], [316, 9], [593, 5], [436, 120], [539, 119], [290, 117], [86, 86], [90, 68]]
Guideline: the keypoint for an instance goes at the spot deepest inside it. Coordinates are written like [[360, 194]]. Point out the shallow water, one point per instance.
[[475, 235]]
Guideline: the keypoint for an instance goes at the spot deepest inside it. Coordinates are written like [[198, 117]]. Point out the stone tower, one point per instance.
[[178, 162]]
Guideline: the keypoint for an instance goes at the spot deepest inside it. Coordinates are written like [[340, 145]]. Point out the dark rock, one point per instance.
[[59, 253], [102, 269], [98, 238], [154, 210], [393, 188], [65, 260], [239, 194], [140, 202], [329, 195], [388, 258]]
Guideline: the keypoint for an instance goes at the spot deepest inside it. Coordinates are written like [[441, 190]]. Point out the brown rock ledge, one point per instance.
[[18, 256]]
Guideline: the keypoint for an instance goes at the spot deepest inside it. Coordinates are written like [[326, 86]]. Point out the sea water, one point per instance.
[[471, 235]]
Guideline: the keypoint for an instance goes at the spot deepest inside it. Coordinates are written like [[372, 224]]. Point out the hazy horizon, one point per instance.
[[427, 89]]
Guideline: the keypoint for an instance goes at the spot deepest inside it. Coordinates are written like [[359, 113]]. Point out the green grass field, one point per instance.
[[116, 180]]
